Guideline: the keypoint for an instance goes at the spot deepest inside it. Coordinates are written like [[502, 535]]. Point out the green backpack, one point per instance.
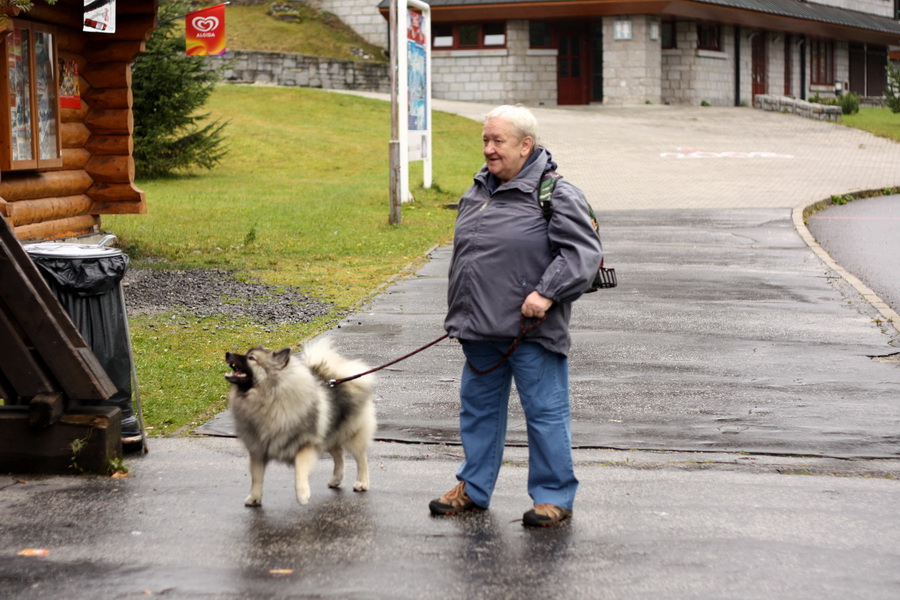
[[605, 278]]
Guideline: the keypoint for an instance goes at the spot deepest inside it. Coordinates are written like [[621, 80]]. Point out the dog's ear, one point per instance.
[[282, 358]]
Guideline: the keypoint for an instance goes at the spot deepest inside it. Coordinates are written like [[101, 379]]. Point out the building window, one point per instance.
[[540, 35], [709, 37], [667, 29], [467, 36], [821, 59], [30, 82]]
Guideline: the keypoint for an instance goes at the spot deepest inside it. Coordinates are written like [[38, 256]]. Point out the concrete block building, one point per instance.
[[717, 52]]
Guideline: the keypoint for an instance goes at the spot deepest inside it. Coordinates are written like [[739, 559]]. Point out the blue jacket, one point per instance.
[[504, 249]]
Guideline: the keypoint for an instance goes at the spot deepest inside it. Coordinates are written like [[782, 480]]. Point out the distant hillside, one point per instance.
[[291, 26]]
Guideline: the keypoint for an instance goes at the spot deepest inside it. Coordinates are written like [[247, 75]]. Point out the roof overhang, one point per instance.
[[790, 16]]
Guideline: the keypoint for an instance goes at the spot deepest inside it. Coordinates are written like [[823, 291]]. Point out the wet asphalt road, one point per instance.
[[736, 411], [864, 237]]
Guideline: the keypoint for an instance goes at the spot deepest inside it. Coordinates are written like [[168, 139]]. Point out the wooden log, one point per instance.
[[75, 158], [104, 98], [137, 8], [100, 145], [117, 198], [74, 135], [108, 75], [111, 121], [73, 115], [137, 27], [27, 212], [111, 169], [28, 186], [45, 409], [69, 40], [60, 14], [114, 51], [61, 228]]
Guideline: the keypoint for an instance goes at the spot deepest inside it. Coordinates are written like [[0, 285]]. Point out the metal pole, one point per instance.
[[394, 144]]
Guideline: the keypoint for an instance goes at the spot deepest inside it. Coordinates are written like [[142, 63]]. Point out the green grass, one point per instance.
[[300, 200], [315, 33], [878, 121]]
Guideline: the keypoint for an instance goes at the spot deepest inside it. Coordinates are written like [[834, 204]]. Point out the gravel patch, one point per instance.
[[203, 292]]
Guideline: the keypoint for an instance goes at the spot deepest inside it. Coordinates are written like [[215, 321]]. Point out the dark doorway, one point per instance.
[[788, 61], [573, 64], [759, 59], [867, 69]]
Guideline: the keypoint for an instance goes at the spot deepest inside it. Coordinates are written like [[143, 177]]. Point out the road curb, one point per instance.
[[798, 215]]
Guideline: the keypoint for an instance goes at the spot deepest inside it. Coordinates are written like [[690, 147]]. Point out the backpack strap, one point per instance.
[[545, 192]]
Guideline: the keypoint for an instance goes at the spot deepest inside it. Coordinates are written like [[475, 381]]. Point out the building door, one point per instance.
[[788, 58], [572, 64], [867, 74], [758, 58], [857, 69], [876, 75]]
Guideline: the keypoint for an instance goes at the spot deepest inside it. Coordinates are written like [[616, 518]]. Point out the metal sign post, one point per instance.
[[411, 126]]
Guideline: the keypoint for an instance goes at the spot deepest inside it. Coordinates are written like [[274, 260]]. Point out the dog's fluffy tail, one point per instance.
[[323, 360]]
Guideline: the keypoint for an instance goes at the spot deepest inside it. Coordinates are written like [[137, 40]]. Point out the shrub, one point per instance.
[[849, 103], [892, 90]]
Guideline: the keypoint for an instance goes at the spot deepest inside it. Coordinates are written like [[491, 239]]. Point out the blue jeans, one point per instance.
[[542, 380]]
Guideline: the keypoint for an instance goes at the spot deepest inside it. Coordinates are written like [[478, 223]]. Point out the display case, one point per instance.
[[31, 133]]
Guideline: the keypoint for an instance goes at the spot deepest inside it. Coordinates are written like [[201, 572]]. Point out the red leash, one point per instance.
[[523, 331], [336, 382]]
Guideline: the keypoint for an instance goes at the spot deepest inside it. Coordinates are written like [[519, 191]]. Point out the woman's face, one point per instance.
[[504, 152]]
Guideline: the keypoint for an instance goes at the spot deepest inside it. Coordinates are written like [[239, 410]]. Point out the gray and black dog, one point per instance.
[[285, 410]]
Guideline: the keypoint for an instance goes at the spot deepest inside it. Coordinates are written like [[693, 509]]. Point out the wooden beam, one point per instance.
[[46, 326], [21, 369], [45, 409]]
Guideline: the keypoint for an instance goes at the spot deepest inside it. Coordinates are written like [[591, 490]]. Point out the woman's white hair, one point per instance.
[[522, 120]]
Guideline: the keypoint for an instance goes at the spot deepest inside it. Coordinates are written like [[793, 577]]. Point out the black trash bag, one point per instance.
[[88, 289]]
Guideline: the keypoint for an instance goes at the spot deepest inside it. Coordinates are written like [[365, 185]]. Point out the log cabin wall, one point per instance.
[[97, 173]]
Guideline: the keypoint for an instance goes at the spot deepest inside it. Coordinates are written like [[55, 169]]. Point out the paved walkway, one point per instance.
[[759, 388], [664, 157]]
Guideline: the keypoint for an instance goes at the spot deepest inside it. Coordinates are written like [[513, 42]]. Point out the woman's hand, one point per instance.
[[536, 306]]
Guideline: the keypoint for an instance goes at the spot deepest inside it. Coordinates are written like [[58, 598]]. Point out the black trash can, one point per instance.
[[87, 281]]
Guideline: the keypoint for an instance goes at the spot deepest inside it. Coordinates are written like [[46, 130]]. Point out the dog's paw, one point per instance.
[[334, 483], [303, 496], [360, 486], [253, 501]]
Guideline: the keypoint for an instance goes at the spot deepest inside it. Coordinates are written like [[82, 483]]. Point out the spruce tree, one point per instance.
[[169, 89]]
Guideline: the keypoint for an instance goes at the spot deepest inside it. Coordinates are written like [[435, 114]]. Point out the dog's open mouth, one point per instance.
[[238, 375]]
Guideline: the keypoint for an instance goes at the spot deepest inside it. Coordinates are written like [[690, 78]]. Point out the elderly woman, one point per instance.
[[513, 270]]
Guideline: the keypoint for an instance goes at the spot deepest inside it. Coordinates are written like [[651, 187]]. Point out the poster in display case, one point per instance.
[[30, 137]]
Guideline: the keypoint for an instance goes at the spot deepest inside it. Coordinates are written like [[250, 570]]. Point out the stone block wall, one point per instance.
[[282, 68], [363, 16], [693, 76], [508, 75], [803, 108], [632, 69]]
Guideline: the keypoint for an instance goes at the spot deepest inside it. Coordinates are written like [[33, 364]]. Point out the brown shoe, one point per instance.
[[453, 502], [545, 515]]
